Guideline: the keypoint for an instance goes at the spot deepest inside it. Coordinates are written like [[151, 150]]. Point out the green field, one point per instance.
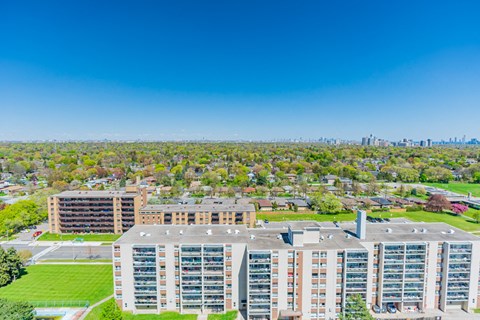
[[281, 216], [76, 261], [97, 311], [62, 283], [230, 315], [463, 188], [47, 236], [456, 221]]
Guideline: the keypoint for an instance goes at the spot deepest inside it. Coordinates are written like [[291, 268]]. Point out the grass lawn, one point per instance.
[[61, 283], [463, 188], [278, 217], [97, 311], [47, 236], [230, 315], [456, 221]]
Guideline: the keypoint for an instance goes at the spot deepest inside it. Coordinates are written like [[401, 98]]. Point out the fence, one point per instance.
[[60, 304]]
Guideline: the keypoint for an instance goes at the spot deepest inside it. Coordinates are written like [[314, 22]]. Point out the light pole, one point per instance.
[[73, 250]]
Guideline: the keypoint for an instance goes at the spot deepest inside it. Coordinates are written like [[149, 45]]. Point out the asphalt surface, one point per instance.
[[33, 249], [79, 252], [28, 236], [66, 252]]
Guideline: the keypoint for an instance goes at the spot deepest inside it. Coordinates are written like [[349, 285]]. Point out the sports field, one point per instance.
[[456, 221], [462, 188], [50, 283]]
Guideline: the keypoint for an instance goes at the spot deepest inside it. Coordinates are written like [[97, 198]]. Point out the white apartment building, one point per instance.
[[302, 270]]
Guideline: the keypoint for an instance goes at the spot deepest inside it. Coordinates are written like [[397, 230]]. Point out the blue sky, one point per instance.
[[239, 69]]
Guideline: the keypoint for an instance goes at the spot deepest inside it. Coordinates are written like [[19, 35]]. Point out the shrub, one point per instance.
[[459, 208], [415, 208]]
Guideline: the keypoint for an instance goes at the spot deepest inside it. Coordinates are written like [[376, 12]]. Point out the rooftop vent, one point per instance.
[[389, 230], [279, 236], [142, 234], [322, 238], [348, 236], [181, 231], [229, 231], [167, 232], [451, 231], [252, 237], [209, 232], [424, 230], [414, 230], [330, 236], [237, 231], [148, 235]]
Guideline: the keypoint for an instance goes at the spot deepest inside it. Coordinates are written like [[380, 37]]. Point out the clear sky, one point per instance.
[[239, 69]]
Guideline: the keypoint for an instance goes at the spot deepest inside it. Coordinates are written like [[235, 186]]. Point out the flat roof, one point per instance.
[[95, 194], [197, 208], [411, 231], [182, 234], [274, 235]]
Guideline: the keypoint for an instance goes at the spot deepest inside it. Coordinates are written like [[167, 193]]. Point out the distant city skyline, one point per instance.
[[218, 70]]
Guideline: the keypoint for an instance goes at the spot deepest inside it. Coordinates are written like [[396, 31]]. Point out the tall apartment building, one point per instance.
[[95, 211], [198, 214], [300, 270]]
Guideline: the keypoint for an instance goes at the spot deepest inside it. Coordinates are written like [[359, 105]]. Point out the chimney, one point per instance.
[[361, 224]]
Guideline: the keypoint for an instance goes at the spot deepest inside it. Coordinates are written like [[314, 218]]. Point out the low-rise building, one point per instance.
[[197, 214]]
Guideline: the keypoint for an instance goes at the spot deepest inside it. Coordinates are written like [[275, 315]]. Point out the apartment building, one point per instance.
[[303, 270], [118, 211], [95, 211], [198, 214]]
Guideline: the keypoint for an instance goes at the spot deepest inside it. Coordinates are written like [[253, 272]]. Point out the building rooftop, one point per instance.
[[411, 231], [182, 234], [95, 194], [197, 208], [275, 235]]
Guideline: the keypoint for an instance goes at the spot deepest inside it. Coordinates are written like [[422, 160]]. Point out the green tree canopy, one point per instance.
[[355, 309]]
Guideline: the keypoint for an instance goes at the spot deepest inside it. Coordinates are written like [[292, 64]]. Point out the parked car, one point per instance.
[[391, 308], [266, 221], [376, 309], [37, 233]]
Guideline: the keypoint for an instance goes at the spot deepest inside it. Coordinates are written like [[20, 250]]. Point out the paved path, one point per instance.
[[68, 262], [44, 252], [85, 314]]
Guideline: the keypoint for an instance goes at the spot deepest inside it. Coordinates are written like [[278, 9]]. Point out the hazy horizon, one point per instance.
[[239, 70]]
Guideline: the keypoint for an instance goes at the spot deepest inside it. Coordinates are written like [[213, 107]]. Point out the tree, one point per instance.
[[437, 203], [10, 266], [459, 209], [16, 310], [327, 203], [24, 255], [438, 174], [274, 205], [355, 309], [111, 311], [373, 188], [476, 216]]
